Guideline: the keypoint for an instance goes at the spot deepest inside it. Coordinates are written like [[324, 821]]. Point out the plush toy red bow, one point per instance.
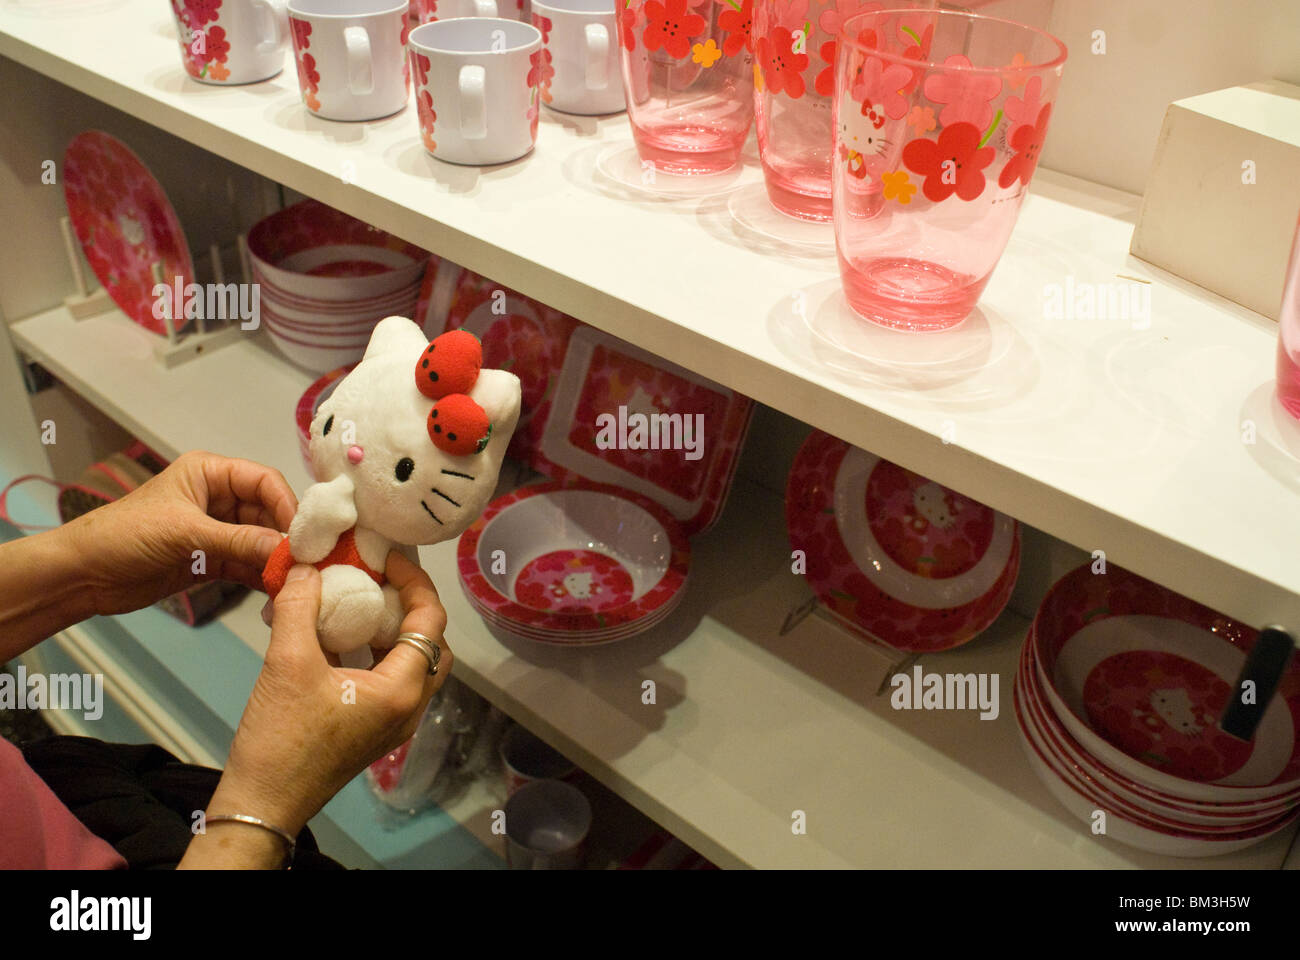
[[445, 373]]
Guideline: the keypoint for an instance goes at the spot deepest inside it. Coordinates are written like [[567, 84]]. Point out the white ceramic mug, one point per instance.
[[581, 40], [476, 86], [242, 42], [431, 10], [350, 58]]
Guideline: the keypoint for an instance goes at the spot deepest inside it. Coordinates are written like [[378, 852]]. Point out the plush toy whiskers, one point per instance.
[[406, 450]]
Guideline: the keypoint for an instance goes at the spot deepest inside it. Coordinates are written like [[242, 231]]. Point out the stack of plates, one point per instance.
[[1119, 693], [326, 279], [574, 564]]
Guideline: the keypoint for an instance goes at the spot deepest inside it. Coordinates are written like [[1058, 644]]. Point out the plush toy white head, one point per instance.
[[374, 430], [406, 451]]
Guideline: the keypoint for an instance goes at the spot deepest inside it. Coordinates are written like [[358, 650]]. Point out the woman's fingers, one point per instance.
[[423, 615], [232, 482]]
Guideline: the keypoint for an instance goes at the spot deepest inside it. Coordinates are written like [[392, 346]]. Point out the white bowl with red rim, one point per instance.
[[1140, 675], [311, 250], [1134, 830], [894, 556], [1070, 761], [574, 560]]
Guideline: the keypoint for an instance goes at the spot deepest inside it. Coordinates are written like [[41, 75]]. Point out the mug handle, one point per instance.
[[276, 14], [597, 56], [485, 8], [361, 71], [473, 103]]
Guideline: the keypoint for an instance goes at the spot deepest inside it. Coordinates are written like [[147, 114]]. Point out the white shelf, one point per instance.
[[1110, 438], [747, 726]]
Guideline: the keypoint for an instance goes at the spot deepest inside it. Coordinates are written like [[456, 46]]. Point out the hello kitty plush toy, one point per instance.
[[406, 451]]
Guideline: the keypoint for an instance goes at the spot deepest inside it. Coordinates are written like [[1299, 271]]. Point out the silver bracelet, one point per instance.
[[290, 842]]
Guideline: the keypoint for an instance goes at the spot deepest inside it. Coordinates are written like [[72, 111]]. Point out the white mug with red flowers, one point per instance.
[[351, 56], [580, 71], [228, 42], [477, 88]]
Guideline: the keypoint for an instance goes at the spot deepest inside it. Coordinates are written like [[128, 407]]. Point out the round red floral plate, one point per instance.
[[125, 224], [894, 556], [573, 559], [1140, 676]]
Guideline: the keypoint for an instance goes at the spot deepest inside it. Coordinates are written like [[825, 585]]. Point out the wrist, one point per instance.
[[237, 794]]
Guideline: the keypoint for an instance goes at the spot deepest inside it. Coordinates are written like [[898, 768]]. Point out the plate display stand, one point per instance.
[[899, 661], [174, 349]]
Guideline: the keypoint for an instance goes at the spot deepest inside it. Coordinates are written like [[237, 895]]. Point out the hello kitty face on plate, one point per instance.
[[933, 507], [578, 585], [422, 468], [1174, 707]]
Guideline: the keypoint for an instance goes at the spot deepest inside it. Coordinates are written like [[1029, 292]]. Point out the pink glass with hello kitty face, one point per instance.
[[794, 77], [939, 121]]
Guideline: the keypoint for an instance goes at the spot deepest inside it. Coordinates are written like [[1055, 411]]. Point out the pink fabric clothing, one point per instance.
[[37, 832]]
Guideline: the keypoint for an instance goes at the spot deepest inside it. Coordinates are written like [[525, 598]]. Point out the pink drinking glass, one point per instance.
[[794, 79], [939, 120], [688, 77], [1288, 340]]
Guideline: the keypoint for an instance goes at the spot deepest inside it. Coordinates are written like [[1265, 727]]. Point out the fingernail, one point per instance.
[[298, 572]]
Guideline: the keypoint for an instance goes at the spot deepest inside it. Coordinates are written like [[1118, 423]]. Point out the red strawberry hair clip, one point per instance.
[[445, 373]]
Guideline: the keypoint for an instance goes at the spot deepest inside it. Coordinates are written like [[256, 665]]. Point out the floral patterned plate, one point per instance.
[[125, 224], [623, 416], [573, 558], [1139, 675], [896, 557]]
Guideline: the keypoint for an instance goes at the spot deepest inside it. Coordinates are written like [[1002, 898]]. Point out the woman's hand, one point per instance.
[[140, 549], [310, 727]]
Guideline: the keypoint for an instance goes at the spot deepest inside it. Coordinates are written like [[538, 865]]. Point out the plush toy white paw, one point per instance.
[[406, 451]]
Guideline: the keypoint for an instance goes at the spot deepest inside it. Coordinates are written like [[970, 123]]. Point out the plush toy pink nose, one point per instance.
[[355, 454]]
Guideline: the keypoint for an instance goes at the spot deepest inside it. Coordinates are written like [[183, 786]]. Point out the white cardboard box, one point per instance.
[[1221, 204]]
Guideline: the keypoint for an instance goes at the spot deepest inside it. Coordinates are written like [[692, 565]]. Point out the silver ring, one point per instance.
[[431, 651]]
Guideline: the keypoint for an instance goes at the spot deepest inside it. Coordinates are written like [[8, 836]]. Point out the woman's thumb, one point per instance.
[[297, 605]]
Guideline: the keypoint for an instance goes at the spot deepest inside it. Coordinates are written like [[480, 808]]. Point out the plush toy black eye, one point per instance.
[[328, 423], [404, 468]]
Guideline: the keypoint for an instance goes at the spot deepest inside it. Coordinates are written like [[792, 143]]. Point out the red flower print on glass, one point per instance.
[[882, 85], [738, 22], [791, 14], [825, 82], [833, 17], [954, 164], [1025, 109], [782, 68], [628, 23], [966, 96], [1027, 141], [670, 27]]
